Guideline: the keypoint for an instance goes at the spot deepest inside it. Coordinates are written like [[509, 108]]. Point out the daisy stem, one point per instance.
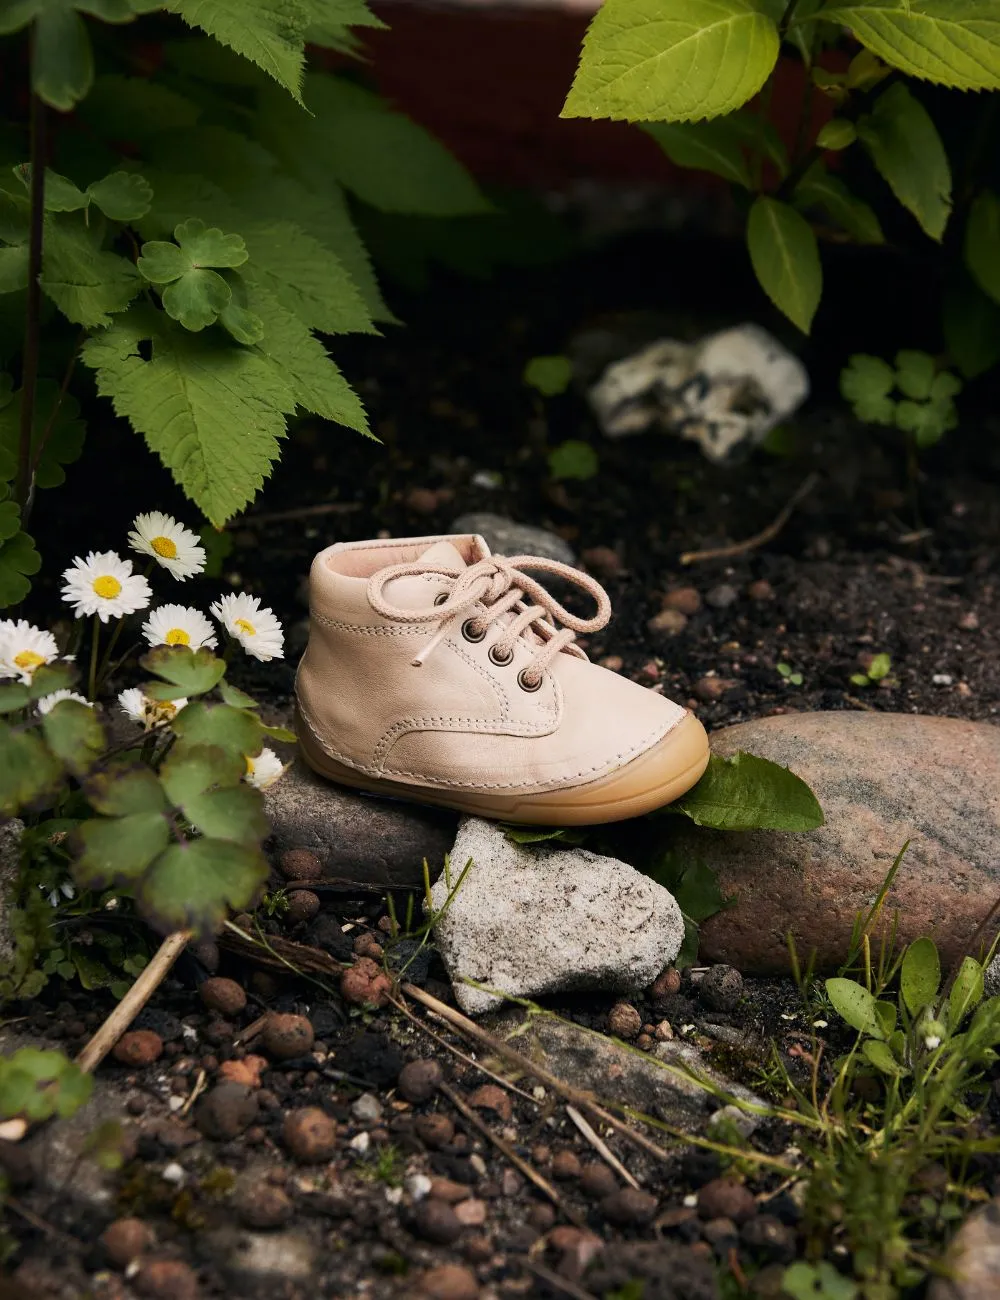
[[106, 659], [92, 684], [32, 324]]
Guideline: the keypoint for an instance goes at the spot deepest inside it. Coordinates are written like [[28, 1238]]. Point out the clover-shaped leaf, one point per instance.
[[914, 374], [185, 672], [74, 735], [18, 561], [866, 383], [243, 325], [204, 782], [122, 196], [235, 730], [195, 883], [195, 294], [29, 773]]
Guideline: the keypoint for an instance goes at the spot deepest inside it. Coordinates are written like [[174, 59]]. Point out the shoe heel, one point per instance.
[[320, 761]]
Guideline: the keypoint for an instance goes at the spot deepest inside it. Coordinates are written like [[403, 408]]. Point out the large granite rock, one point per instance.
[[883, 779], [358, 837], [531, 920], [507, 537]]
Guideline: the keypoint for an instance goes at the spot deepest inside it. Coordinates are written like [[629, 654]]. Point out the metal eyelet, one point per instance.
[[525, 684], [441, 597], [470, 632], [497, 657]]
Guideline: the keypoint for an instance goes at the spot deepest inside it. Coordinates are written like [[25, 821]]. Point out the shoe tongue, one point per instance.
[[419, 592]]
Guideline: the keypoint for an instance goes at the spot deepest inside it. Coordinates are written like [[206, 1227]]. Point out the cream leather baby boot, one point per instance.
[[440, 673]]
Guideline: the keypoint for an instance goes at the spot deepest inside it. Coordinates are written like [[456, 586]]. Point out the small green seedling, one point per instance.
[[790, 675], [548, 376], [573, 460], [877, 671], [924, 408], [38, 1084], [820, 1281]]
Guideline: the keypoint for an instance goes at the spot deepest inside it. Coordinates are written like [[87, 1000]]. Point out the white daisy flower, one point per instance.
[[48, 702], [148, 713], [264, 769], [171, 545], [104, 584], [256, 629], [23, 648], [179, 625]]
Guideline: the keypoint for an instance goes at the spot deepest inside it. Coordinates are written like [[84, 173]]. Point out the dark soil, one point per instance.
[[871, 561]]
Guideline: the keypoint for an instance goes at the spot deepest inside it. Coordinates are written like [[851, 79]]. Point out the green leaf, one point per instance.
[[245, 326], [785, 259], [192, 769], [61, 195], [196, 299], [953, 42], [232, 695], [329, 18], [707, 146], [74, 734], [927, 421], [124, 791], [966, 992], [855, 1005], [117, 850], [233, 814], [699, 58], [147, 106], [122, 196], [886, 1013], [207, 246], [56, 420], [28, 772], [86, 283], [836, 134], [233, 730], [573, 460], [982, 243], [549, 376], [920, 976], [279, 733], [306, 278], [13, 696], [905, 147], [866, 383], [162, 262], [818, 188], [48, 678], [18, 561], [13, 268], [189, 672], [270, 33], [915, 374], [194, 884], [212, 410], [879, 667], [880, 1055], [62, 62], [745, 793], [971, 325]]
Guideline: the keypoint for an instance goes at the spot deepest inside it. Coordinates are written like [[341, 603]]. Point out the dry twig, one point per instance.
[[759, 539], [562, 1284], [600, 1146]]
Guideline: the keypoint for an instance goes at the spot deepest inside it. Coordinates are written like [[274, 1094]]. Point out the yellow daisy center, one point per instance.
[[246, 628], [177, 636], [249, 762], [164, 547], [28, 659], [107, 587]]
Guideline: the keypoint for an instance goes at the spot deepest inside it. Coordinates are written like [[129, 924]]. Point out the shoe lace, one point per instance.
[[491, 588]]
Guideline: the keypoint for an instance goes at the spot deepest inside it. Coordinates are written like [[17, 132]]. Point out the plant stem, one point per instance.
[[92, 681], [32, 320], [786, 17], [57, 405]]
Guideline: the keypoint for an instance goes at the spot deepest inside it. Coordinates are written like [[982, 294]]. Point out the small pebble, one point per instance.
[[436, 1221], [207, 952], [668, 621], [365, 984], [686, 600], [247, 1070], [760, 590], [477, 1249], [434, 1130], [303, 905], [542, 1216], [471, 1213], [644, 1042], [360, 1143], [287, 1036], [723, 1198], [446, 1189], [615, 662], [663, 1033], [969, 621], [300, 864], [721, 988], [419, 1081], [138, 1047], [767, 1234], [310, 1135], [566, 1165], [264, 1206], [421, 500], [709, 689], [166, 1279], [666, 984], [449, 1282], [629, 1206], [418, 1186], [226, 1110], [494, 1098], [603, 560], [366, 945], [222, 995], [125, 1240], [624, 1021], [367, 1109], [597, 1180], [720, 1232], [722, 596]]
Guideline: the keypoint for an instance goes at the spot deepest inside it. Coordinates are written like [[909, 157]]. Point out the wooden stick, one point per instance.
[[150, 979], [600, 1146], [759, 539], [529, 1171]]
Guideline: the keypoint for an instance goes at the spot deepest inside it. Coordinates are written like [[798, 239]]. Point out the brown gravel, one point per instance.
[[126, 1239], [226, 1111], [310, 1135], [420, 1080], [301, 864], [725, 1198], [223, 995], [137, 1048], [287, 1036]]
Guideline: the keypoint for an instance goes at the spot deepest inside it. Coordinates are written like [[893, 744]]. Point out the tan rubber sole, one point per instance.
[[657, 777]]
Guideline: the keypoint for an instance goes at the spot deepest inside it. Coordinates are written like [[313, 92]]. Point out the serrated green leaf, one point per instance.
[[18, 561], [191, 769], [13, 268], [707, 146], [147, 106], [855, 1005], [56, 421], [245, 326], [866, 383], [192, 672], [270, 33], [905, 147], [914, 374], [329, 18], [124, 791], [549, 376], [194, 884], [746, 792], [122, 196], [785, 259], [302, 360], [920, 976], [117, 850], [28, 772], [880, 1055], [818, 188], [971, 326], [966, 991], [982, 243], [700, 58], [196, 299], [953, 42], [573, 459], [212, 410], [234, 730], [760, 136], [85, 282], [62, 62], [74, 734]]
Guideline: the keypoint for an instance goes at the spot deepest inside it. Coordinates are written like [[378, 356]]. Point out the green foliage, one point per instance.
[[790, 675], [38, 1084], [745, 793], [925, 409], [696, 891], [573, 459], [687, 70], [877, 671], [804, 1281], [549, 376]]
